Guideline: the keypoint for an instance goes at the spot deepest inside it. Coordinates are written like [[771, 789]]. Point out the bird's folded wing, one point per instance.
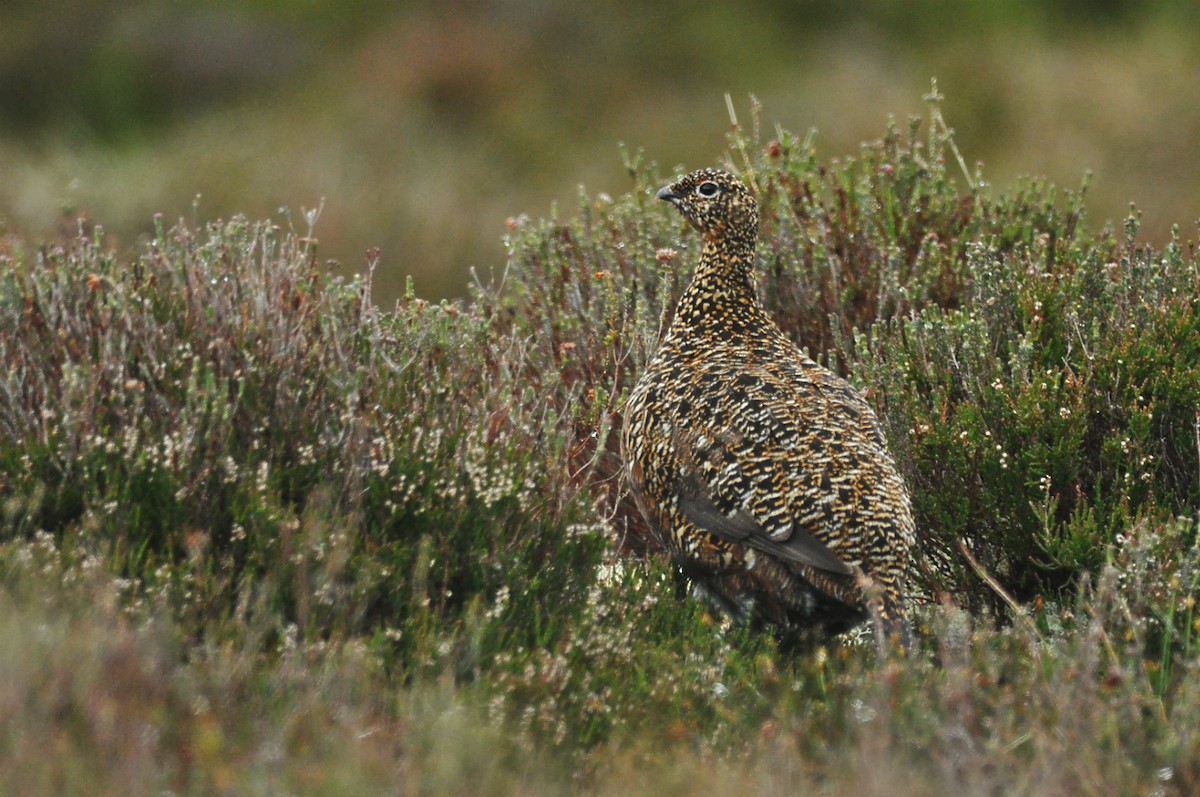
[[739, 526]]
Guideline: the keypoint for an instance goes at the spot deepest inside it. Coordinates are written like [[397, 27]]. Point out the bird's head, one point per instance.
[[716, 203]]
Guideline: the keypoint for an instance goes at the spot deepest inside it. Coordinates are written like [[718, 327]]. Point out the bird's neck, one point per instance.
[[723, 293]]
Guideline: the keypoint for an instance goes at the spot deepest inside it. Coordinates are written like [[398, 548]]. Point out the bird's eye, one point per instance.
[[707, 189]]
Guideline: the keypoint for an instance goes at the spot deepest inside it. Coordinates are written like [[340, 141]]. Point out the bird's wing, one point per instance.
[[799, 547], [710, 479]]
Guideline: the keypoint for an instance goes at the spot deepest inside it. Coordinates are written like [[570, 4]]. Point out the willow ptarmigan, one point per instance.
[[766, 476]]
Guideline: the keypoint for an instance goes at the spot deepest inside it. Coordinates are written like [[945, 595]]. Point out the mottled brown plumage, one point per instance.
[[766, 476]]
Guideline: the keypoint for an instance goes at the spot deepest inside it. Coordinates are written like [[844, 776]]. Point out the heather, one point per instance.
[[262, 535]]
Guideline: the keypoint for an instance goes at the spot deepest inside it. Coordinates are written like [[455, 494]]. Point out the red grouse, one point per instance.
[[766, 476]]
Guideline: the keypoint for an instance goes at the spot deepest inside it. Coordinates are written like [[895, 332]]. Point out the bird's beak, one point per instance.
[[668, 195]]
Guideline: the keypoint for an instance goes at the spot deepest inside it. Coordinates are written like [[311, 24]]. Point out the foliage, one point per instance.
[[1038, 381], [222, 427], [257, 534]]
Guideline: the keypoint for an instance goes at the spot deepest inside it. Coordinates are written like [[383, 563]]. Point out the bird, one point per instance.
[[765, 476]]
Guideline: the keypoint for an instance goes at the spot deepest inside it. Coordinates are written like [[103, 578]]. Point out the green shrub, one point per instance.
[[218, 434], [218, 419]]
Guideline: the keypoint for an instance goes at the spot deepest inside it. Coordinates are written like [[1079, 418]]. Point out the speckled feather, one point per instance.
[[766, 476]]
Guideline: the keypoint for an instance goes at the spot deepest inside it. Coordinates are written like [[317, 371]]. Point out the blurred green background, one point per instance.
[[423, 126]]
